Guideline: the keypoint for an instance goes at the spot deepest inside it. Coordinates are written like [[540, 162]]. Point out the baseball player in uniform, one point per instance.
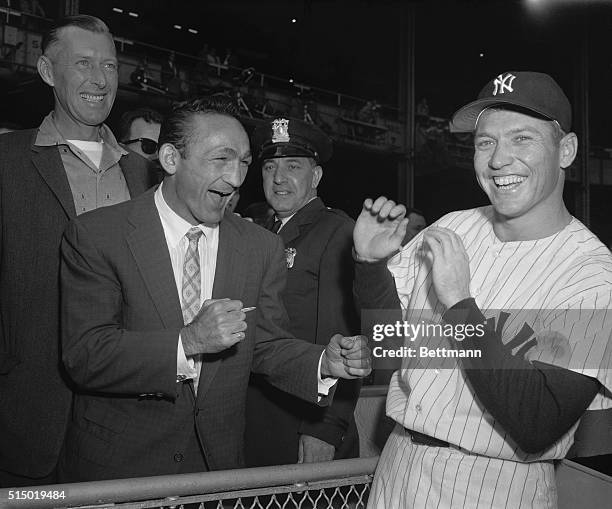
[[484, 432]]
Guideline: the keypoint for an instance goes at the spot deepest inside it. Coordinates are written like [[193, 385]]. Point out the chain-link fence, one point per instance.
[[333, 494], [343, 484]]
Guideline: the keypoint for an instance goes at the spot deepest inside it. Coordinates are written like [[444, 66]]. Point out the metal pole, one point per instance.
[[405, 166], [583, 208], [68, 8], [151, 488]]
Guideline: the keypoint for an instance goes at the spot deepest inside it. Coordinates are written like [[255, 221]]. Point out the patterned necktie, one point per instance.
[[277, 224], [192, 283]]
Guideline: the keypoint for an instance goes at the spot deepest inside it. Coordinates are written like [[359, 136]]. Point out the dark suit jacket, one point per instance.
[[122, 318], [35, 205], [319, 302]]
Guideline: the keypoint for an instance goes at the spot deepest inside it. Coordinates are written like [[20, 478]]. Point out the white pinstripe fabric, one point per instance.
[[418, 476], [571, 270]]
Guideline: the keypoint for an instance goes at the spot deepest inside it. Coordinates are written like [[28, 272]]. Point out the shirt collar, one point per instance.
[[49, 135], [285, 219], [175, 227]]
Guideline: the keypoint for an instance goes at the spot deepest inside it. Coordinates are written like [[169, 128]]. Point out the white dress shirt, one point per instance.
[[175, 228]]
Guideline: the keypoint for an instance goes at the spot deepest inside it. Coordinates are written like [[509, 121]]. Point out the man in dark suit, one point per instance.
[[169, 304], [70, 164], [282, 429]]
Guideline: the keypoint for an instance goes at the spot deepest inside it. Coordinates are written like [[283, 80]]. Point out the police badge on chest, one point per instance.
[[290, 253]]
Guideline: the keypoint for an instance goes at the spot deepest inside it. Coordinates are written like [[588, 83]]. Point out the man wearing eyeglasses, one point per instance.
[[139, 131]]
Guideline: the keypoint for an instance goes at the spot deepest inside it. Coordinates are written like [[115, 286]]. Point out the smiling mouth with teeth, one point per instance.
[[92, 97], [508, 182]]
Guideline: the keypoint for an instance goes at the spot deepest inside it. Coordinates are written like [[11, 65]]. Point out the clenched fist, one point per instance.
[[346, 357]]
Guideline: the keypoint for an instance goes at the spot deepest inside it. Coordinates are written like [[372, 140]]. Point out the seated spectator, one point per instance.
[[169, 71], [422, 108], [140, 76], [201, 69], [369, 112], [213, 59], [230, 59]]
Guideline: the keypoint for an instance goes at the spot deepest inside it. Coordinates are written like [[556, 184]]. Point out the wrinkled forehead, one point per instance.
[[218, 129]]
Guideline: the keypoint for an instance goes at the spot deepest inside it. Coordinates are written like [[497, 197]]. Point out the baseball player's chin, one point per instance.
[[509, 208], [506, 200]]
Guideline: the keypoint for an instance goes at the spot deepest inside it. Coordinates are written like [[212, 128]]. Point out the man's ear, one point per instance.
[[568, 150], [169, 157], [45, 69], [317, 175]]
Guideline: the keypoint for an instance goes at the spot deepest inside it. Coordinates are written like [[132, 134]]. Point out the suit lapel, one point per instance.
[[230, 273], [49, 164], [305, 216], [147, 243]]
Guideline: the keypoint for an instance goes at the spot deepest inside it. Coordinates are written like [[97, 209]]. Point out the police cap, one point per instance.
[[284, 137]]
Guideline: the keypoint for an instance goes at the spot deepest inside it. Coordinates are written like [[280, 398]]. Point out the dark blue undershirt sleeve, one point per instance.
[[374, 286], [535, 403]]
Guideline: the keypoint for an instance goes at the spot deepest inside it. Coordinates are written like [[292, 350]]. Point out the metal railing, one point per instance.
[[340, 484]]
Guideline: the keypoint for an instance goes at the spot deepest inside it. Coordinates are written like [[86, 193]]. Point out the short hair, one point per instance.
[[83, 21], [558, 133], [177, 127], [149, 115]]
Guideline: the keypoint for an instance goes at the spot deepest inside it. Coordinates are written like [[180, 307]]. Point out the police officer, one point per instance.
[[318, 298]]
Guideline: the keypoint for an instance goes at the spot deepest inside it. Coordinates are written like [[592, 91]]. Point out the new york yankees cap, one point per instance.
[[533, 91]]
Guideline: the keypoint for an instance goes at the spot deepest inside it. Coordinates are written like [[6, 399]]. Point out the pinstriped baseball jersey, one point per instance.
[[562, 287]]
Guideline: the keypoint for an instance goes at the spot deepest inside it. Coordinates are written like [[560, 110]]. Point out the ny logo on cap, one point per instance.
[[280, 130], [503, 83]]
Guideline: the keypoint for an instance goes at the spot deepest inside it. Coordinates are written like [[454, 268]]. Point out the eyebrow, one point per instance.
[[231, 151], [516, 130]]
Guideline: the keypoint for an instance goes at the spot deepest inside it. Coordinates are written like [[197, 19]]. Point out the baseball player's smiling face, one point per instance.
[[518, 161]]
